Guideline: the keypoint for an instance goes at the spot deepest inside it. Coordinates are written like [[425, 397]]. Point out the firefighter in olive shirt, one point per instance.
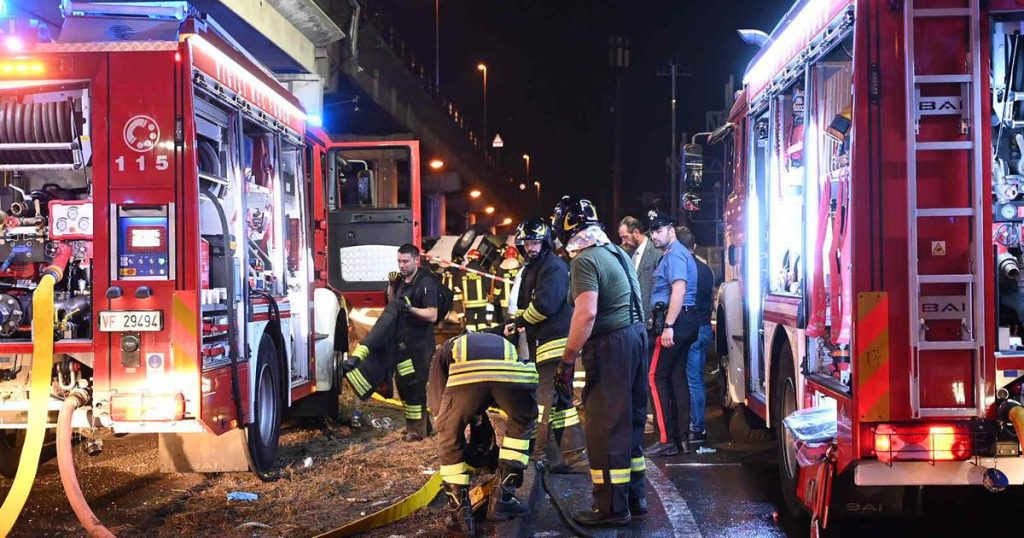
[[608, 329]]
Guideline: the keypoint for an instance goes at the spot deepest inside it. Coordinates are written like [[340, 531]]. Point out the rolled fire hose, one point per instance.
[[66, 463], [39, 395]]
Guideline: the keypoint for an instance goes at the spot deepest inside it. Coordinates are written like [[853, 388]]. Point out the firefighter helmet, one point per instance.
[[571, 216], [472, 255], [510, 259], [533, 229]]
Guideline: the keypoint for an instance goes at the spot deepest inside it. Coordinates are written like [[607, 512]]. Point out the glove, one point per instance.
[[359, 353], [564, 374], [392, 276], [521, 322], [404, 304]]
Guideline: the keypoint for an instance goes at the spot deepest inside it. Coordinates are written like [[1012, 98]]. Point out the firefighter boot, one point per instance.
[[504, 504], [459, 512], [416, 429]]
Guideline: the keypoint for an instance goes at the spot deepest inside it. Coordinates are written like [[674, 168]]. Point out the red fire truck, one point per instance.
[[188, 207], [873, 293]]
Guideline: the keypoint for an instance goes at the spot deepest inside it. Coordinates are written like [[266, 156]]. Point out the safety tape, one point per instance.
[[448, 263], [42, 363]]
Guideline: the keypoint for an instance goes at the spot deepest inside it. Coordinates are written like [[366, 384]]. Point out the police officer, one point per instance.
[[468, 373], [673, 297], [608, 329], [546, 316]]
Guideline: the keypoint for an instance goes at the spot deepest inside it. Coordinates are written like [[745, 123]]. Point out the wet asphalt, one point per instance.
[[735, 492]]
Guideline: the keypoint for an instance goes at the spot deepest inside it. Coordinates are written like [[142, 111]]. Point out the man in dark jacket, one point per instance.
[[546, 315], [699, 349]]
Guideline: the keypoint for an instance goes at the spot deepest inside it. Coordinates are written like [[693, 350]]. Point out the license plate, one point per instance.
[[132, 320]]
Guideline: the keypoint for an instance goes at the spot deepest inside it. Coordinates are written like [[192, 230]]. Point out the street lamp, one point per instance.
[[483, 68], [436, 164], [507, 221], [474, 193], [537, 184], [522, 186], [489, 210], [526, 157]]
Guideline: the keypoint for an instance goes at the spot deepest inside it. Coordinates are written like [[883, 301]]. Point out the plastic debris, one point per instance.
[[308, 462], [242, 496], [382, 423], [252, 525], [705, 450]]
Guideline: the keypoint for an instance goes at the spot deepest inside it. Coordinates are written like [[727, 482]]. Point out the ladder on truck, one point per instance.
[[972, 334]]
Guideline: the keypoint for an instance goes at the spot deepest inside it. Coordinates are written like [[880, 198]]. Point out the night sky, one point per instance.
[[550, 84]]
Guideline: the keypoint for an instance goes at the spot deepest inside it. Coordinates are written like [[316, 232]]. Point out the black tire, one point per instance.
[[743, 425], [264, 432], [11, 442], [746, 427], [783, 403]]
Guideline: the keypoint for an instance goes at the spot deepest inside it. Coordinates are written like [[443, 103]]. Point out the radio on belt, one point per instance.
[[143, 250]]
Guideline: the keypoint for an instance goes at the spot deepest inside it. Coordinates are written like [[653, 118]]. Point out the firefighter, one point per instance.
[[469, 373], [501, 290], [479, 311], [401, 341], [545, 317], [608, 329], [674, 298]]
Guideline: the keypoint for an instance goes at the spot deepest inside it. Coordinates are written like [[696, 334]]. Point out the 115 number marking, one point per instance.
[[161, 163]]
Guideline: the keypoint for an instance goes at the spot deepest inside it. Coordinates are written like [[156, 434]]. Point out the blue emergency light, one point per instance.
[[165, 11]]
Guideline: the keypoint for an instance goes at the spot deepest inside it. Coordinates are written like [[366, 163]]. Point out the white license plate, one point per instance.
[[131, 320]]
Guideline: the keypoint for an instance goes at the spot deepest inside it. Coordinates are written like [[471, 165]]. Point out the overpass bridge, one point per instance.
[[336, 57]]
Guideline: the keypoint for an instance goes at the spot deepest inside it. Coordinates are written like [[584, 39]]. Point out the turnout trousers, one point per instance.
[[670, 391], [412, 368], [615, 398], [460, 408], [557, 417]]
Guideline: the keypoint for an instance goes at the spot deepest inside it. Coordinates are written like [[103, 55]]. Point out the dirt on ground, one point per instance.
[[330, 474]]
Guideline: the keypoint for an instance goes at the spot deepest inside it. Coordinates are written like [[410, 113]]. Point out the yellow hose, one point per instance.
[[39, 397], [1016, 416]]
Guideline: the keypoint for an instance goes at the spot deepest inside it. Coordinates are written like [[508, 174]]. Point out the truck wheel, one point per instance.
[[784, 403], [743, 425], [264, 432], [11, 442]]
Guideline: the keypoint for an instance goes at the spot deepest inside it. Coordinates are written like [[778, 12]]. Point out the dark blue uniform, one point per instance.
[[669, 387]]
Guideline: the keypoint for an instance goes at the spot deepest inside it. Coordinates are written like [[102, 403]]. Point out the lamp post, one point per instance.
[[526, 157], [437, 44], [483, 69], [537, 184]]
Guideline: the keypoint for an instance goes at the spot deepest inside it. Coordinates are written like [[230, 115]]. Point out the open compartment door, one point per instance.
[[373, 202]]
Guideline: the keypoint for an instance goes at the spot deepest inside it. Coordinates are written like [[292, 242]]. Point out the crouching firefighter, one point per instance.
[[546, 315], [469, 373]]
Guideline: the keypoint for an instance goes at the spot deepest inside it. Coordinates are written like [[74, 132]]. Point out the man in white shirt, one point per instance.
[[645, 260], [645, 257]]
